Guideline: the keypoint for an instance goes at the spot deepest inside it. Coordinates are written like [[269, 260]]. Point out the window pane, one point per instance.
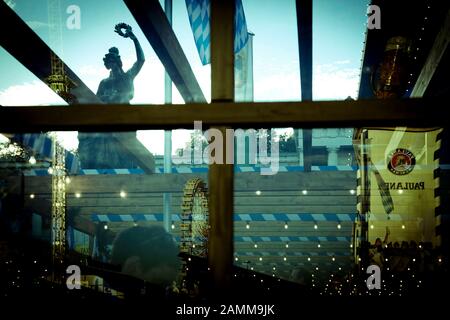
[[338, 40], [379, 199], [19, 81], [369, 199], [276, 73], [82, 35]]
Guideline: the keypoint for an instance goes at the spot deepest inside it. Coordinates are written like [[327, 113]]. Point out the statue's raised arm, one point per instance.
[[134, 70], [118, 87]]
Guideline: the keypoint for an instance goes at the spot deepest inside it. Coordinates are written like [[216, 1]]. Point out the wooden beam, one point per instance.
[[293, 182], [84, 225], [305, 50], [43, 207], [221, 176], [112, 200], [420, 113], [428, 70], [433, 60], [154, 23], [131, 145], [305, 46], [130, 208]]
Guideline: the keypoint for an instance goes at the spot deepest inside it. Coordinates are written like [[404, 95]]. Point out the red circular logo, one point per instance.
[[401, 161]]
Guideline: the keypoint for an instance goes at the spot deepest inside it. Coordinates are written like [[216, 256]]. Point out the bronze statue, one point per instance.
[[118, 87], [103, 150]]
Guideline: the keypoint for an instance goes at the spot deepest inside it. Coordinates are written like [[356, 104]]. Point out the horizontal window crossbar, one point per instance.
[[417, 112]]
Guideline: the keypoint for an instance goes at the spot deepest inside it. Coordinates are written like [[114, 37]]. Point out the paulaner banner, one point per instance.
[[401, 169]]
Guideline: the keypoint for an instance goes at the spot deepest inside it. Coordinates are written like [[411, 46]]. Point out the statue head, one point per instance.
[[112, 58]]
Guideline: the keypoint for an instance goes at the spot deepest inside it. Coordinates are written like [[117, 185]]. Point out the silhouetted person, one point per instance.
[[147, 253], [376, 252]]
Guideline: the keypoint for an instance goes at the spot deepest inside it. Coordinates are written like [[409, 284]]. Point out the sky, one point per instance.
[[338, 35]]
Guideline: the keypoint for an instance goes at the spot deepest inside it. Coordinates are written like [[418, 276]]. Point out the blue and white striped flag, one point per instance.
[[199, 12], [42, 147]]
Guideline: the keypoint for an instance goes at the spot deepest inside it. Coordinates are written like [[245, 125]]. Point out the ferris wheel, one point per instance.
[[194, 219]]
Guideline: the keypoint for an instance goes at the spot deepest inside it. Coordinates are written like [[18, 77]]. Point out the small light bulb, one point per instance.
[[305, 192], [315, 226], [352, 191], [318, 245], [371, 226], [258, 192], [284, 258], [247, 226], [403, 226], [286, 225], [256, 245], [105, 227], [32, 160], [339, 226], [287, 245], [123, 194], [260, 258], [32, 196], [173, 226], [50, 170], [77, 195]]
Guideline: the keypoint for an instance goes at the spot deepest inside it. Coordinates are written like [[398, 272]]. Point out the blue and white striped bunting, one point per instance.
[[237, 168], [290, 239], [292, 254], [136, 217], [160, 170], [285, 239]]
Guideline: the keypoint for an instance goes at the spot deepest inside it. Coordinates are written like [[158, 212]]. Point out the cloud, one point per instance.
[[273, 81], [34, 93], [334, 82], [342, 62], [37, 93], [277, 87], [92, 71]]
